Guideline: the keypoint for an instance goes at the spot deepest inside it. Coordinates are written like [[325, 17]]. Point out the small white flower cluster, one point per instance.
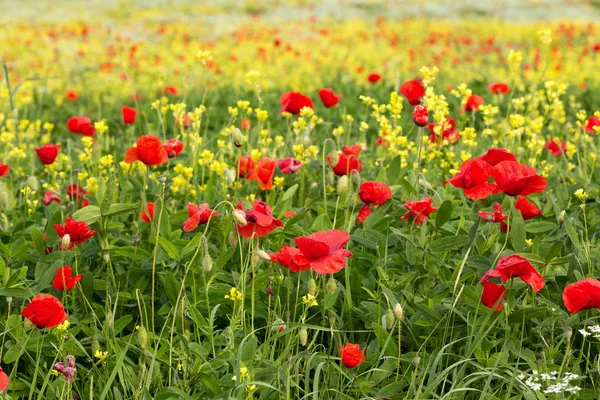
[[551, 381], [591, 330]]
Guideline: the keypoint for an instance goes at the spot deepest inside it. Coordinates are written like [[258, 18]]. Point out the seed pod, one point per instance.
[[342, 186], [4, 225], [110, 318], [33, 183], [389, 318], [303, 336], [331, 285], [399, 312], [312, 287], [142, 337], [237, 137], [65, 242], [239, 217], [263, 255]]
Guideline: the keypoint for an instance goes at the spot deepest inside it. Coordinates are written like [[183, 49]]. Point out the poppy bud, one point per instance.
[[314, 186], [334, 158], [342, 187], [312, 287], [110, 318], [3, 222], [65, 242], [330, 178], [207, 262], [303, 336], [237, 137], [278, 325], [229, 175], [357, 201], [270, 291], [306, 141], [233, 239], [106, 257], [561, 217], [416, 360], [162, 178], [399, 312], [3, 200], [142, 337], [355, 179], [263, 254], [33, 183], [239, 217], [389, 318], [568, 333], [331, 285]]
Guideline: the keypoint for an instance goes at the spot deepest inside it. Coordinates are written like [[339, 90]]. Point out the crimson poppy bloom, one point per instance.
[[49, 197], [498, 88], [149, 150], [514, 178], [592, 123], [74, 191], [265, 169], [246, 124], [373, 77], [71, 95], [473, 179], [556, 147], [173, 147], [293, 102], [170, 91], [348, 160], [289, 165], [413, 91], [495, 216], [363, 213], [78, 231], [129, 114], [420, 115], [200, 214], [447, 131], [528, 209], [323, 251], [516, 266], [495, 156], [147, 215], [329, 98], [67, 368], [492, 295], [473, 103], [246, 168], [81, 125], [353, 149], [582, 295], [260, 220], [4, 170], [45, 311], [285, 256], [4, 381], [289, 214], [375, 193], [352, 356], [64, 278], [47, 153], [418, 211]]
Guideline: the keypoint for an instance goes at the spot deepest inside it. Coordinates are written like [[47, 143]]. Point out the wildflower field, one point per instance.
[[212, 201]]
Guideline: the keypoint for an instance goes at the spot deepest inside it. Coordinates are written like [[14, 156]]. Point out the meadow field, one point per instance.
[[299, 199]]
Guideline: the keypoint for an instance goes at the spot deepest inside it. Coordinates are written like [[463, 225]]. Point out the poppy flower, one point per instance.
[[528, 209], [74, 191], [289, 214], [173, 147], [4, 170], [293, 102], [81, 125], [149, 150], [418, 211], [265, 169], [78, 231], [246, 124], [71, 95], [348, 161], [45, 311], [64, 278], [352, 356], [582, 295], [446, 131], [329, 98], [492, 295], [373, 77], [473, 103], [170, 91], [47, 153], [498, 88], [495, 216], [260, 220], [412, 91], [4, 381], [246, 168], [200, 214], [473, 179], [289, 165], [323, 251], [353, 149], [363, 213], [420, 115], [516, 266], [495, 156], [129, 114], [147, 215], [514, 178], [49, 197], [375, 193], [592, 123], [67, 368], [556, 147], [285, 257]]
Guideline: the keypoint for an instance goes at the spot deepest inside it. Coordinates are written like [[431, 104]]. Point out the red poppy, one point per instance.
[[246, 124], [265, 169], [514, 178], [420, 115], [64, 278], [71, 95], [81, 125], [516, 266], [47, 153], [323, 251], [74, 191], [363, 213], [591, 123], [528, 209], [293, 102], [498, 88], [492, 295], [582, 295], [200, 214], [556, 148], [4, 381], [173, 147], [375, 193], [413, 91], [78, 231], [329, 98], [373, 77], [246, 168], [418, 211], [45, 311], [129, 114], [448, 132], [147, 215], [170, 91], [495, 216], [353, 149], [352, 356], [4, 170], [348, 161], [49, 197], [495, 156], [289, 165], [149, 150], [285, 256], [260, 220], [289, 214], [473, 103], [473, 179]]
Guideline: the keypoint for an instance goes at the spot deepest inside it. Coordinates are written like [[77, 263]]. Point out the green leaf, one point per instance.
[[448, 243], [38, 241], [15, 292], [105, 194], [122, 322], [120, 208], [517, 232], [169, 248], [444, 213], [172, 286], [377, 215], [571, 232], [539, 227], [89, 214], [51, 235]]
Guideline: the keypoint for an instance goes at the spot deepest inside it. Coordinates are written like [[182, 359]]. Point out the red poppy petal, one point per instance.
[[492, 295]]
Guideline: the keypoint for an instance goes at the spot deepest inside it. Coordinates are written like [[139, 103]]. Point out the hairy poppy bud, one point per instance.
[[239, 217], [568, 333], [229, 175], [33, 183], [278, 325], [3, 200], [334, 158], [303, 336], [106, 257], [237, 137], [207, 262], [330, 177], [399, 312], [65, 242], [263, 254], [331, 285], [389, 318], [110, 318], [314, 186], [561, 217], [4, 222], [306, 141], [142, 337], [342, 187], [312, 287], [233, 239]]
